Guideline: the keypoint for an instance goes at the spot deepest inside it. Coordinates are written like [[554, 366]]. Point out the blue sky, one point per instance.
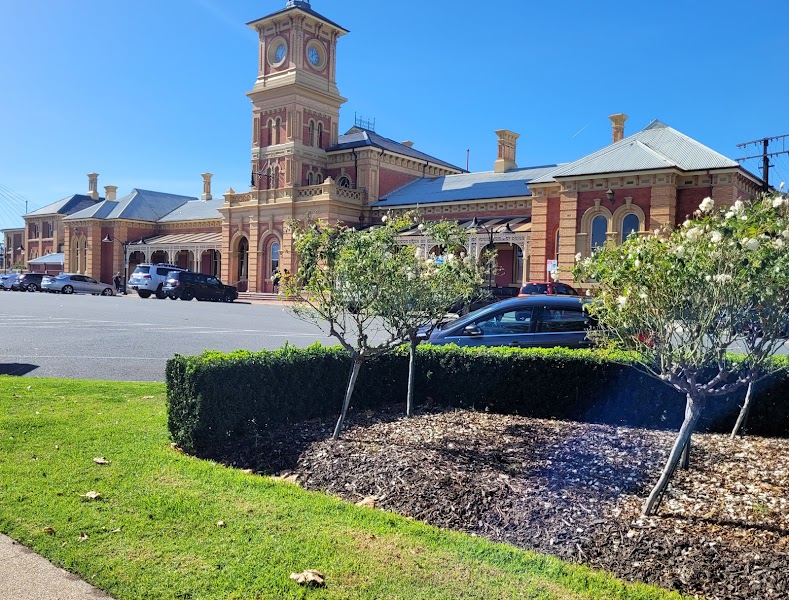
[[151, 93]]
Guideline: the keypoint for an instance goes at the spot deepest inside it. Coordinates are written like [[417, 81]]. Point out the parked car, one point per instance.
[[7, 280], [541, 321], [187, 285], [550, 288], [30, 282], [149, 278], [73, 283]]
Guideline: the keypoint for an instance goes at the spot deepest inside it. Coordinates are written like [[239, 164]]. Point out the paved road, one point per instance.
[[126, 338]]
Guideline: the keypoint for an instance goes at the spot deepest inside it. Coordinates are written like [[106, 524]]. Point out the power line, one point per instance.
[[766, 155]]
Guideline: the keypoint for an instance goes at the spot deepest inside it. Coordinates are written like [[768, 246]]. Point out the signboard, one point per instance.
[[551, 266], [440, 260]]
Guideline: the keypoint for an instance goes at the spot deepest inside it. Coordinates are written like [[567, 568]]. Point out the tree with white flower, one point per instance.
[[682, 300]]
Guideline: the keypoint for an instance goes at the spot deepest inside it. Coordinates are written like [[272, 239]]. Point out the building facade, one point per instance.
[[302, 167]]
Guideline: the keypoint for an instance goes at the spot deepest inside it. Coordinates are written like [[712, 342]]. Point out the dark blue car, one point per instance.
[[531, 322]]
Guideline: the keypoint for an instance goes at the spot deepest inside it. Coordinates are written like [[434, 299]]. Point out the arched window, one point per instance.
[[270, 127], [277, 130], [320, 135], [310, 178], [318, 178], [243, 259], [344, 181], [274, 254], [599, 229], [630, 224], [311, 135]]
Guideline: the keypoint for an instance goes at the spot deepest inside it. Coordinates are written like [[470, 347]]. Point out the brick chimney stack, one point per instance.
[[506, 158], [110, 192], [93, 183], [206, 186], [618, 126]]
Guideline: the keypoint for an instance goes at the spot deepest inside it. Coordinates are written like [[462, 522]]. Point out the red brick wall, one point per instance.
[[554, 213], [688, 202], [391, 180], [642, 197]]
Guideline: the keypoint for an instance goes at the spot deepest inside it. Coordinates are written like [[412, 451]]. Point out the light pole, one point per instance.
[[475, 226], [21, 250]]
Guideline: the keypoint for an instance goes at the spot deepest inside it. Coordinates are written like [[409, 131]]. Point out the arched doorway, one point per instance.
[[210, 262], [160, 256], [185, 259], [242, 264], [135, 258]]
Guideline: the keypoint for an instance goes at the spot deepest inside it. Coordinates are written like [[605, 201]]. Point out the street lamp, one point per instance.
[[475, 226], [610, 195], [108, 239]]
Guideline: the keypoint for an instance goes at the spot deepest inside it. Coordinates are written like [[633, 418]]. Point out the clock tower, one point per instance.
[[295, 100]]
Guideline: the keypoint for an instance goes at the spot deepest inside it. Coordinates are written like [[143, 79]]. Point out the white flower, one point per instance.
[[578, 257], [778, 201], [730, 214], [723, 278], [643, 295], [637, 263], [694, 234], [687, 223], [450, 257], [785, 233], [621, 301], [419, 253], [680, 250], [707, 205], [588, 292], [384, 219], [421, 227], [751, 244], [708, 278], [716, 237], [779, 243], [738, 206]]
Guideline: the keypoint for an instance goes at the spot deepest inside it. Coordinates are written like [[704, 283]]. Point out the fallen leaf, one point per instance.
[[100, 460], [148, 397], [29, 388], [248, 471], [116, 530], [220, 524], [369, 501], [83, 536], [49, 530], [91, 495], [310, 577]]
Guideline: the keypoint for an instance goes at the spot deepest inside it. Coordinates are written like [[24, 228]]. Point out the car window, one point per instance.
[[562, 290], [535, 288], [507, 323], [555, 319], [163, 271], [213, 281], [77, 278], [141, 269], [90, 280]]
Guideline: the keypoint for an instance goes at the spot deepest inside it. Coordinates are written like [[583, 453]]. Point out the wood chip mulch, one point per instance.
[[569, 489]]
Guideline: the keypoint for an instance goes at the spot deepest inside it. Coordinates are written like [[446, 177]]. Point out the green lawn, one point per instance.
[[153, 532]]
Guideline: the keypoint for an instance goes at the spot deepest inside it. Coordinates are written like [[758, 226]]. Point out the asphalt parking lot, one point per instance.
[[127, 338]]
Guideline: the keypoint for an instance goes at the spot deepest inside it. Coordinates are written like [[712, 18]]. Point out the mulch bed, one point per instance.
[[569, 489]]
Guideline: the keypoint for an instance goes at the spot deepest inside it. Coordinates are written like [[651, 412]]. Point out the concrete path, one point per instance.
[[24, 575]]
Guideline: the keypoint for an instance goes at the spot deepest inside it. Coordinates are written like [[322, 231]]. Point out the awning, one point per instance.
[[55, 258], [517, 225], [182, 239]]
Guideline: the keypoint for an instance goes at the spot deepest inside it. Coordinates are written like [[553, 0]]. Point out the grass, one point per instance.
[[153, 532]]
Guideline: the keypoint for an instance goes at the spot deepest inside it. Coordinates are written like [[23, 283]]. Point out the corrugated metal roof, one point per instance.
[[67, 206], [195, 210], [180, 239], [517, 224], [359, 137], [465, 186], [657, 146], [139, 205], [303, 6], [56, 258]]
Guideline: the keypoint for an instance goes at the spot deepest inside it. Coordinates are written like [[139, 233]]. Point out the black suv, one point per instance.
[[187, 285], [28, 281]]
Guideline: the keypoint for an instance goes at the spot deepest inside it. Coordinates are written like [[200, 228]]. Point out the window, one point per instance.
[[507, 323], [311, 135], [517, 267], [630, 224], [320, 135], [344, 181], [318, 178], [599, 229], [310, 178], [561, 320], [274, 257], [277, 128]]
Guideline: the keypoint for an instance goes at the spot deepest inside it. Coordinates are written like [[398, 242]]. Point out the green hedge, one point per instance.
[[216, 397]]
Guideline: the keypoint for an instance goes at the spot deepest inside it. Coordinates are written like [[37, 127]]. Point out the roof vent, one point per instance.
[[408, 144]]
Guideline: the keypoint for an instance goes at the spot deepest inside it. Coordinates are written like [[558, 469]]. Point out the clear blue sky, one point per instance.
[[151, 93]]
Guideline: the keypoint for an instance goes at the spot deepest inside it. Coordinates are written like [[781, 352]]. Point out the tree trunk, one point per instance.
[[409, 404], [357, 364], [684, 462], [693, 410], [746, 408]]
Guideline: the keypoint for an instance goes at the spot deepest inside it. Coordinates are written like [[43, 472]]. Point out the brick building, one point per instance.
[[301, 165]]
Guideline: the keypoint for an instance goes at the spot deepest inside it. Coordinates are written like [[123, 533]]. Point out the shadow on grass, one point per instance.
[[16, 369]]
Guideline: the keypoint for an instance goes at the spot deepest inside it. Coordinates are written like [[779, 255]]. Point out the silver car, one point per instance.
[[72, 283], [7, 280]]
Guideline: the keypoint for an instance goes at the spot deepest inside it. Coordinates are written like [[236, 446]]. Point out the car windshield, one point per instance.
[[142, 270], [535, 288], [63, 277]]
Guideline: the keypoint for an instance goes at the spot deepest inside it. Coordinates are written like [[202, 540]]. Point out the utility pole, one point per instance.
[[765, 155]]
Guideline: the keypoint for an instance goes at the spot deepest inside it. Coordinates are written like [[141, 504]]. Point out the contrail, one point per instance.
[[582, 128]]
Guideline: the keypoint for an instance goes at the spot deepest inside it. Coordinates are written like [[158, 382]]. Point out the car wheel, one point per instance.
[[32, 287], [160, 293], [187, 295], [173, 297], [144, 294], [67, 289], [228, 298], [107, 292]]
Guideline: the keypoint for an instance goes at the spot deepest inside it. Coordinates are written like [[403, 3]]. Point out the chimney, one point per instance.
[[110, 192], [408, 143], [93, 190], [506, 159], [206, 186], [618, 126]]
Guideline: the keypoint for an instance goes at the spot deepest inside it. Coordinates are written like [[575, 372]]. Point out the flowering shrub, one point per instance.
[[684, 298]]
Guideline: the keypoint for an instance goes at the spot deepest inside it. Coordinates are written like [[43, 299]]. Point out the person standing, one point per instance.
[[118, 281]]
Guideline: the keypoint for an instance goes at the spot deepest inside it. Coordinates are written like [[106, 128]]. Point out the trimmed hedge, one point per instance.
[[215, 397]]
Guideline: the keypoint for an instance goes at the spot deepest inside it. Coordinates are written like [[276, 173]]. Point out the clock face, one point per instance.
[[279, 53], [314, 56]]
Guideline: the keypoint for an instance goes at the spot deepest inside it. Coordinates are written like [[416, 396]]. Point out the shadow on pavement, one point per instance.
[[16, 369]]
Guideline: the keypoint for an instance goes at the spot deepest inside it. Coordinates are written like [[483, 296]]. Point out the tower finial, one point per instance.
[[298, 4]]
